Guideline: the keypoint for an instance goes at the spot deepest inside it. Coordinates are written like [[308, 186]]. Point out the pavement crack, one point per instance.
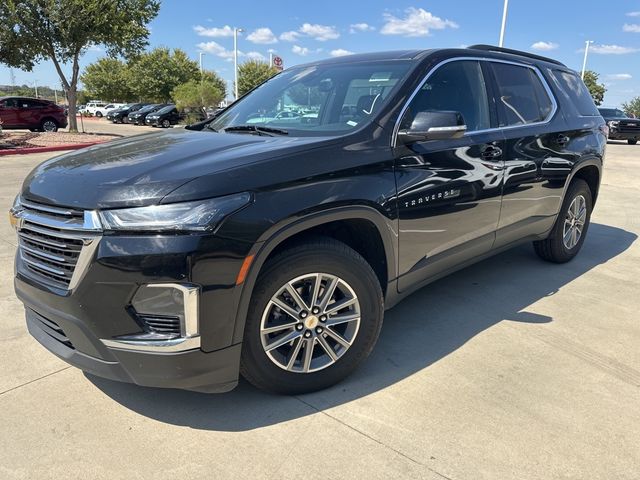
[[379, 442], [34, 380]]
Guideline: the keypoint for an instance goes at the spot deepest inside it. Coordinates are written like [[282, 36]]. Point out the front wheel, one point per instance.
[[99, 114], [570, 229], [315, 315], [166, 123], [632, 142]]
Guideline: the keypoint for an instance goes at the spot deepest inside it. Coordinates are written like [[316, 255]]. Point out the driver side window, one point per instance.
[[457, 86]]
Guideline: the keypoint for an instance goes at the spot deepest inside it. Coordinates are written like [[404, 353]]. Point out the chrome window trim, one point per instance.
[[554, 103]]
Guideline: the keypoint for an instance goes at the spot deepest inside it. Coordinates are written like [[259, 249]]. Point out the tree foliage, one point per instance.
[[197, 94], [153, 75], [62, 30], [107, 79], [632, 107], [597, 90], [253, 73], [218, 82]]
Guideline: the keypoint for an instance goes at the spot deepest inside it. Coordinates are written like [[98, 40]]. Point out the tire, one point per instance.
[[166, 124], [632, 142], [557, 248], [331, 261], [98, 114], [49, 125]]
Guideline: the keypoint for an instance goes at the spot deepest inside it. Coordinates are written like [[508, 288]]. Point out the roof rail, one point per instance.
[[492, 48]]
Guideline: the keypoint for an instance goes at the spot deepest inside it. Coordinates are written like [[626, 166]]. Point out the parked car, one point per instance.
[[95, 108], [621, 126], [164, 117], [183, 258], [104, 111], [120, 115], [138, 117], [31, 113]]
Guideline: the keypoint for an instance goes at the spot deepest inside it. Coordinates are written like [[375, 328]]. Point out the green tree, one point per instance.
[[218, 82], [107, 79], [596, 89], [632, 107], [197, 94], [62, 30], [153, 75], [253, 73]]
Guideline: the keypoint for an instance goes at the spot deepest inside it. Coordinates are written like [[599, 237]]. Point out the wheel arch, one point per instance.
[[590, 171], [281, 236]]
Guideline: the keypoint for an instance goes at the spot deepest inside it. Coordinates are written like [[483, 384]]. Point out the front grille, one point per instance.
[[628, 127], [51, 242], [52, 329]]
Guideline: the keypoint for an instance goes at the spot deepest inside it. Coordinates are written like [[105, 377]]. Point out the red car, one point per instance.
[[31, 113]]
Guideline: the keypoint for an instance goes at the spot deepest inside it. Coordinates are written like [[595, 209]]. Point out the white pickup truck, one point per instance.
[[100, 109]]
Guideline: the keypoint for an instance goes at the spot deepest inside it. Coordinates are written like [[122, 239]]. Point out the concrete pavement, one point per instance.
[[513, 368]]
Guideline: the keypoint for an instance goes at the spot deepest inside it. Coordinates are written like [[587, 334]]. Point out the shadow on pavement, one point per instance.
[[424, 328]]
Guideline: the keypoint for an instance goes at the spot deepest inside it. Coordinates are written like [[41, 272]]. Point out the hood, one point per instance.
[[143, 169], [635, 121]]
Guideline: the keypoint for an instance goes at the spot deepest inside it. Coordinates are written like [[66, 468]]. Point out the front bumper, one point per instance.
[[85, 325]]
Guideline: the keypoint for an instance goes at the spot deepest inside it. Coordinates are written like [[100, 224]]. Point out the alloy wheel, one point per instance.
[[49, 126], [574, 222], [310, 323]]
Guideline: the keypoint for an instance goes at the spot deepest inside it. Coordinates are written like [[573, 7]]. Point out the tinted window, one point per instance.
[[574, 88], [456, 86], [522, 98], [612, 112]]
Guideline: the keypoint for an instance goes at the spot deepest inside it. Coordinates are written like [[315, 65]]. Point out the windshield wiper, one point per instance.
[[257, 129]]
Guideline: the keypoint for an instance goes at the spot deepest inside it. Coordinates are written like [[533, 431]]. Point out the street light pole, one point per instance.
[[504, 22], [201, 54], [235, 59], [586, 53], [35, 86]]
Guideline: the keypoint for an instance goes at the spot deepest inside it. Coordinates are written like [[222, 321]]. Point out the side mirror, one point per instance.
[[434, 125]]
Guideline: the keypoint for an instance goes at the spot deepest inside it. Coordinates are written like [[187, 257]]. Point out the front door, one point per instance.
[[449, 191], [9, 113]]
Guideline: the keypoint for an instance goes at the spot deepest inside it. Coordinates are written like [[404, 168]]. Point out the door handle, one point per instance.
[[491, 152], [562, 140]]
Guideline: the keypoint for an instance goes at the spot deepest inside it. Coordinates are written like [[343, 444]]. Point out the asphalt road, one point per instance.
[[511, 369]]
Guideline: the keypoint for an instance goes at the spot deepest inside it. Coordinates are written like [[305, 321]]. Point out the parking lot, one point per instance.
[[512, 368]]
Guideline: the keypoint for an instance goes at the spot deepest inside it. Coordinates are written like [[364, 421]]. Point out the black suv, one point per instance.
[[272, 247], [120, 115], [621, 126]]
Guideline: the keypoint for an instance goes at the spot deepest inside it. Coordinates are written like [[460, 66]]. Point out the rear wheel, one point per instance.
[[632, 142], [570, 229], [315, 315], [99, 114], [49, 125]]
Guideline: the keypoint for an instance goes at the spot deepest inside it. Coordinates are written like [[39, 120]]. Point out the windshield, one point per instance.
[[148, 108], [612, 112], [320, 99], [164, 110]]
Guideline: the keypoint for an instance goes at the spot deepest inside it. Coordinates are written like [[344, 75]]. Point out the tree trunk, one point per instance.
[[72, 97]]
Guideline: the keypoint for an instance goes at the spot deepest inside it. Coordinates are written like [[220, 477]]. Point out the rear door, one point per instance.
[[449, 190], [535, 161], [9, 112]]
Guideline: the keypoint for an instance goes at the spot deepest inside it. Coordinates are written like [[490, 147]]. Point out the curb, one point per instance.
[[54, 148]]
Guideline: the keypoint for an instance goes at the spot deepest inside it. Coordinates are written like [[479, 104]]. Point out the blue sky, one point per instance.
[[300, 31]]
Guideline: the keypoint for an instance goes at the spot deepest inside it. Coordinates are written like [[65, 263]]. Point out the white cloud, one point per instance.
[[416, 23], [619, 76], [633, 14], [340, 52], [544, 46], [215, 49], [262, 35], [298, 50], [611, 49], [255, 56], [291, 36], [225, 31], [360, 27], [319, 32], [631, 27]]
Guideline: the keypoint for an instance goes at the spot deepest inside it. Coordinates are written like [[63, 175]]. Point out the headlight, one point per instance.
[[613, 123], [199, 216]]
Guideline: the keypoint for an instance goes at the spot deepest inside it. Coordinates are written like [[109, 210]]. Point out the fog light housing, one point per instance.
[[168, 313]]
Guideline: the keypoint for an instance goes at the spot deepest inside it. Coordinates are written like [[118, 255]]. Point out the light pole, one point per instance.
[[504, 22], [586, 53], [235, 59], [201, 55], [35, 86]]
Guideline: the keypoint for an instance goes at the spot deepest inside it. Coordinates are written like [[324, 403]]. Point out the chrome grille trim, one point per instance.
[[56, 244]]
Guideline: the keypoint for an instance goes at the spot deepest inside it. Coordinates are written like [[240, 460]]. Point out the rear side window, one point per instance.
[[522, 99], [573, 86], [457, 86]]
